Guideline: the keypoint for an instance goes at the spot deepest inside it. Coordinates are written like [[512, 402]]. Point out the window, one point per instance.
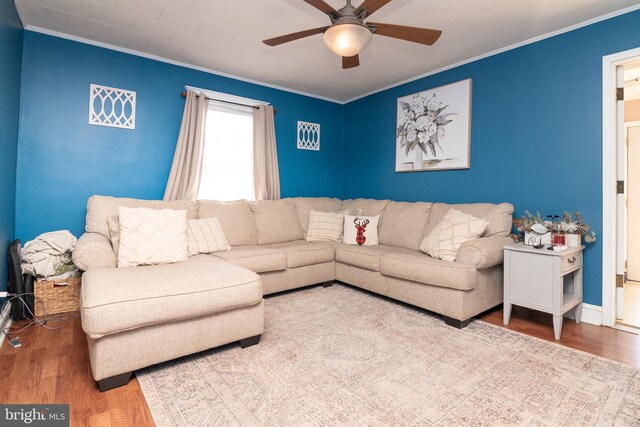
[[227, 170]]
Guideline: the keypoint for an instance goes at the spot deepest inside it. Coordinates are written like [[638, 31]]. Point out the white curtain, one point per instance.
[[266, 176], [184, 178]]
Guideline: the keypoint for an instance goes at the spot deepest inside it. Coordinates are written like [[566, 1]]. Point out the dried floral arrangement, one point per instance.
[[527, 221], [578, 226]]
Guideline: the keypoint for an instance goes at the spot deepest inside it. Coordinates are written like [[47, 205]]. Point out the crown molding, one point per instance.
[[502, 50], [311, 95], [79, 39]]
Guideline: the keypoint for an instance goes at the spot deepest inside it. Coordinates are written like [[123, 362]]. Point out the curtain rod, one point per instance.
[[184, 94]]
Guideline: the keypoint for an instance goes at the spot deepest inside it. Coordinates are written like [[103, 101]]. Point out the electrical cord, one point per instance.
[[35, 320]]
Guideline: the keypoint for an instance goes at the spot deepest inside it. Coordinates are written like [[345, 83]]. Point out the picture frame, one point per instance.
[[433, 129]]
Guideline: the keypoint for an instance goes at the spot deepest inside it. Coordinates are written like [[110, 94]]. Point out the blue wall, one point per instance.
[[62, 160], [536, 137], [11, 60], [536, 133]]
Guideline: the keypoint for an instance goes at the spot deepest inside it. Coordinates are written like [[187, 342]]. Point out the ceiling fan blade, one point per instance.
[[326, 8], [350, 61], [412, 34], [294, 36], [370, 6]]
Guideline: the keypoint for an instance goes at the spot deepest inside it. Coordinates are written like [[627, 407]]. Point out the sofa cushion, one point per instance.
[[236, 220], [498, 215], [152, 237], [352, 212], [370, 207], [99, 208], [205, 236], [304, 206], [455, 228], [361, 230], [421, 268], [119, 299], [367, 257], [276, 221], [258, 259], [302, 253], [404, 224]]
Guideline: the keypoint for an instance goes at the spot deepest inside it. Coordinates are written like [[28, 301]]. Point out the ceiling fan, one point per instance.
[[348, 34]]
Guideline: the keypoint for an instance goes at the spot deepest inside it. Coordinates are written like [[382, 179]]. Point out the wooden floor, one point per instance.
[[600, 340], [52, 366]]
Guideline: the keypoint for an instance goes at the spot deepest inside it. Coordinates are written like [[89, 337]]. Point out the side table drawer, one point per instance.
[[571, 262]]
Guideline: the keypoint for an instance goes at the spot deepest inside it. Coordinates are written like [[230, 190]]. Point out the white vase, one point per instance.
[[574, 240], [417, 165]]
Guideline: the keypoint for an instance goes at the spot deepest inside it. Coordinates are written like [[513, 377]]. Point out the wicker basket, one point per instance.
[[57, 297]]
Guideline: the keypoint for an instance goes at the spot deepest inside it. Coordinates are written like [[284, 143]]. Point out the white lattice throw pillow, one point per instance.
[[446, 238], [205, 236], [361, 230], [325, 226], [150, 236]]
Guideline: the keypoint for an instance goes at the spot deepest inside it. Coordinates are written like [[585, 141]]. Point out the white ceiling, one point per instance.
[[225, 35]]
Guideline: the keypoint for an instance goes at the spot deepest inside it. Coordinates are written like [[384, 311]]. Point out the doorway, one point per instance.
[[621, 190], [630, 313]]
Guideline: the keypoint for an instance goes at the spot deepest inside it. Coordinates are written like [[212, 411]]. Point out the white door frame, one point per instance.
[[609, 214]]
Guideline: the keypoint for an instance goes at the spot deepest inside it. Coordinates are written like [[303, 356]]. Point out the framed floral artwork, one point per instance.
[[433, 130]]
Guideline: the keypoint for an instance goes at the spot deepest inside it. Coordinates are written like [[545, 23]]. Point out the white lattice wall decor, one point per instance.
[[308, 136], [112, 107]]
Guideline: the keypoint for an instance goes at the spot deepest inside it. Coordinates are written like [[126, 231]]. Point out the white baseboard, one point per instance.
[[5, 322], [591, 314]]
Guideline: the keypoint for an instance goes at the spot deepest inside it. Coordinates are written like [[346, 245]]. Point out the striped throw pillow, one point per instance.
[[325, 226], [205, 236]]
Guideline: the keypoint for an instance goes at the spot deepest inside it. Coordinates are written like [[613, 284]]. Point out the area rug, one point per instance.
[[342, 357]]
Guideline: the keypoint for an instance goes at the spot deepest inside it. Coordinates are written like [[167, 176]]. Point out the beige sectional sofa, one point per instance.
[[269, 254]]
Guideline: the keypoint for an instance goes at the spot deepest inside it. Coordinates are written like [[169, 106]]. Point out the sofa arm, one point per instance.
[[93, 250], [484, 252]]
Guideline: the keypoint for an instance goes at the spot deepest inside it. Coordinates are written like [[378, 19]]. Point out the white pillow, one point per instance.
[[150, 236], [361, 230], [325, 226], [455, 228], [205, 236]]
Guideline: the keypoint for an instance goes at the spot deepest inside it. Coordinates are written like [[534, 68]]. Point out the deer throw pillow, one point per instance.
[[361, 230]]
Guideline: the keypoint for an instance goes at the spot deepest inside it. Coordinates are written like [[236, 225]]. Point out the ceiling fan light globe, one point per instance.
[[347, 39]]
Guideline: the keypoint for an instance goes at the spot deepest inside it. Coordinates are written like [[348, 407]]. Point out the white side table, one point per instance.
[[543, 280]]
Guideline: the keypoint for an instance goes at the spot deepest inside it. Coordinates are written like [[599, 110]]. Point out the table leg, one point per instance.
[[507, 288], [578, 313], [557, 298], [557, 326], [506, 313]]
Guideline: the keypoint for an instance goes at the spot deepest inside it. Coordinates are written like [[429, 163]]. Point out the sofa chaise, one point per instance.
[[139, 316]]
